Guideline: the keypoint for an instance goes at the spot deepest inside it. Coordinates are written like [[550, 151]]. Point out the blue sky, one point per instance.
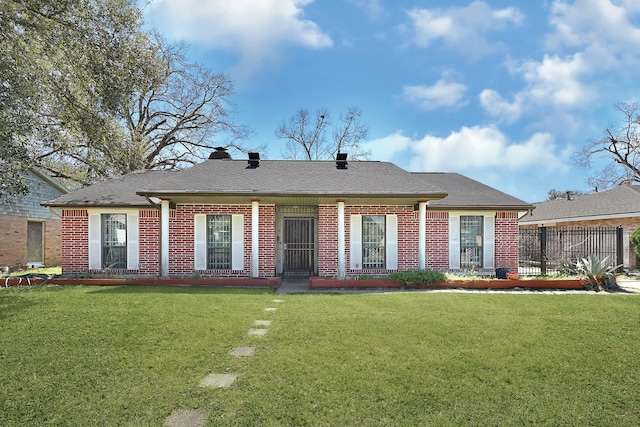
[[501, 91]]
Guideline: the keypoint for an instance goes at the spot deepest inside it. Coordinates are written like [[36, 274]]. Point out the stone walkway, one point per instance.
[[197, 418]]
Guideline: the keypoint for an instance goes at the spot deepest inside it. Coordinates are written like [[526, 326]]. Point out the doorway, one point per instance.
[[296, 236], [35, 243]]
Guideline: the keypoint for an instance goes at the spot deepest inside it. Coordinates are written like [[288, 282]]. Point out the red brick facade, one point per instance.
[[75, 251]]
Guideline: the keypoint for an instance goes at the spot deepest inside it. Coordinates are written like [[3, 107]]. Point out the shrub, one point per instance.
[[635, 241], [417, 277], [597, 274]]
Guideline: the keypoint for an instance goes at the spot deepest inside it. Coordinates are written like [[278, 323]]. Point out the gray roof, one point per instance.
[[622, 201], [291, 181], [467, 193], [114, 192]]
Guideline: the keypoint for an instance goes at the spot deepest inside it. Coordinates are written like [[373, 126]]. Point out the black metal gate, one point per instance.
[[298, 245], [297, 236], [545, 250]]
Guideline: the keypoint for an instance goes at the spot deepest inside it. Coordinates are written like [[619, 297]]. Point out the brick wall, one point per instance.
[[506, 251], [328, 240], [53, 242], [75, 241], [13, 238], [181, 247], [149, 240], [437, 240]]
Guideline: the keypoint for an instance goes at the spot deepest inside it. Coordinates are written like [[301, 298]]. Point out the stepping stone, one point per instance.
[[262, 323], [181, 418], [270, 309], [218, 380], [278, 300], [258, 332], [242, 351]]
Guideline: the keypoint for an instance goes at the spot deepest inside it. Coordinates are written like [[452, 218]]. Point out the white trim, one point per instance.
[[237, 242], [164, 238], [355, 243], [133, 246], [95, 242], [454, 241], [200, 242], [489, 244], [422, 235], [255, 238], [391, 242], [342, 263]]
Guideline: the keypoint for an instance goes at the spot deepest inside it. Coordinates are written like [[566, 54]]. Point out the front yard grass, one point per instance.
[[131, 355]]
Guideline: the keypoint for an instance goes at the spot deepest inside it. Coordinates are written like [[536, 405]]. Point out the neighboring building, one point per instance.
[[619, 206], [30, 233], [228, 218]]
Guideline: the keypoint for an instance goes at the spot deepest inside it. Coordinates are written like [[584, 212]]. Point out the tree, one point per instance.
[[87, 94], [554, 194], [619, 148], [306, 136]]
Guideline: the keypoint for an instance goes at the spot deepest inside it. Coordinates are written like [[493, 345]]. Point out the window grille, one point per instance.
[[471, 239], [373, 241], [218, 242], [114, 240]]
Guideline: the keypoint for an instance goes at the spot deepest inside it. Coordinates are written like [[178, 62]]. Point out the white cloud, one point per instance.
[[443, 93], [483, 148], [257, 29], [462, 28], [554, 82], [471, 149]]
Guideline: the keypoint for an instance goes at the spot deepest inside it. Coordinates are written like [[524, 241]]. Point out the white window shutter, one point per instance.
[[489, 247], [95, 242], [199, 242], [392, 242], [355, 247], [454, 242], [237, 242], [132, 242]]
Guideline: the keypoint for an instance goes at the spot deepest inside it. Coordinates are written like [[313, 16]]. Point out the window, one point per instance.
[[218, 242], [471, 239], [114, 240], [373, 241]]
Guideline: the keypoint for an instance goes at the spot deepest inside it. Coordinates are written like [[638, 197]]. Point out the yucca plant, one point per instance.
[[597, 274]]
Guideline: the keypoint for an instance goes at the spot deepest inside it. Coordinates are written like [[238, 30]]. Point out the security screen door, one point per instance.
[[299, 245]]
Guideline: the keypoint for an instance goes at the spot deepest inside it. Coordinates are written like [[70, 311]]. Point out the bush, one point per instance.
[[417, 277], [635, 241], [597, 274]]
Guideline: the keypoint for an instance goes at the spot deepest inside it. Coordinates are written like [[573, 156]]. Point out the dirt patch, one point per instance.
[[218, 380]]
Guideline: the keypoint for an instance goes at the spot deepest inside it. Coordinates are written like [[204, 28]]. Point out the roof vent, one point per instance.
[[341, 160], [220, 153], [254, 160]]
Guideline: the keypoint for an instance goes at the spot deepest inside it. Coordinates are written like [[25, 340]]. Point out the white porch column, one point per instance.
[[164, 238], [342, 259], [255, 235], [422, 234]]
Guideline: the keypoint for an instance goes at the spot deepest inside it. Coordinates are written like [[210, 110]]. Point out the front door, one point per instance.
[[299, 245]]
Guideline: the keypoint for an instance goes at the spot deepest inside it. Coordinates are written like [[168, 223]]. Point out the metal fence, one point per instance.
[[546, 250]]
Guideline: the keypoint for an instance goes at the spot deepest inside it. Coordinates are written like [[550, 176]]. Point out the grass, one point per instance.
[[131, 355]]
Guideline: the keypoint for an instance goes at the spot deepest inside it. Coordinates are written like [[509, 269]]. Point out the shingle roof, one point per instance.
[[464, 192], [286, 178], [293, 177], [114, 192], [619, 201]]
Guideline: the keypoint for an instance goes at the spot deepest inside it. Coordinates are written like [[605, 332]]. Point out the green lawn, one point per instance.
[[123, 356]]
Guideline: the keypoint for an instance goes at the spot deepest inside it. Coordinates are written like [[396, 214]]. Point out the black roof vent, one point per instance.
[[341, 160], [254, 160], [220, 153]]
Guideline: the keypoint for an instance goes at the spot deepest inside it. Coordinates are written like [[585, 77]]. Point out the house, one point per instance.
[[31, 234], [266, 218], [619, 206]]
